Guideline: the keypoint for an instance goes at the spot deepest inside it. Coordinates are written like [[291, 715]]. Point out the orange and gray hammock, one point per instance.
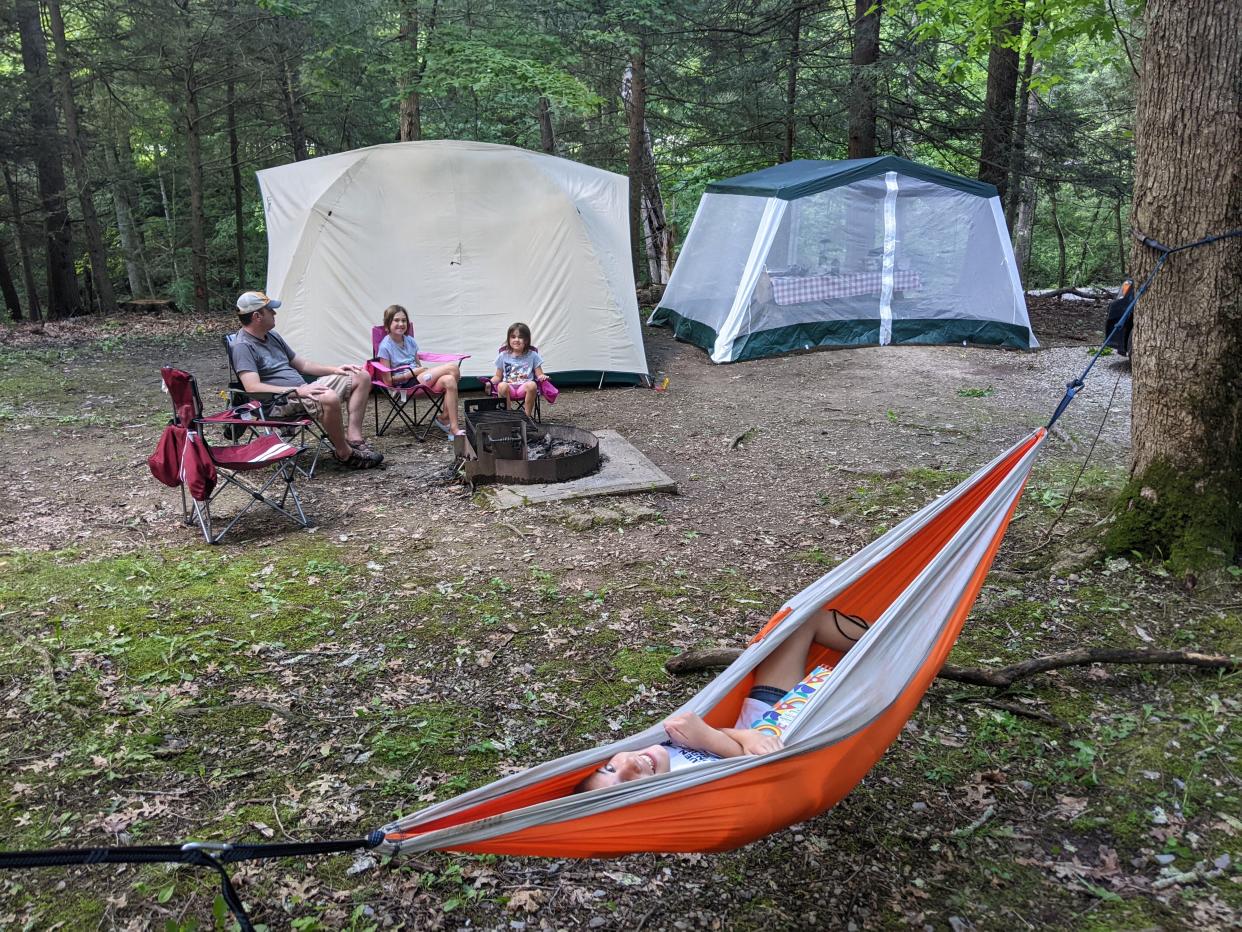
[[918, 581]]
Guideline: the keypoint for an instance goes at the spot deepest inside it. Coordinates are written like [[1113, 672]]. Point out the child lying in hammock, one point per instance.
[[693, 741]]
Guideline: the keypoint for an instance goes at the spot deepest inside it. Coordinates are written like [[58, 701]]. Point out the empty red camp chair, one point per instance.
[[547, 391], [184, 459], [303, 430], [401, 397]]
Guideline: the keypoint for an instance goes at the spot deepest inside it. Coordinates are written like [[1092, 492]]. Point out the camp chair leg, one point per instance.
[[287, 473]]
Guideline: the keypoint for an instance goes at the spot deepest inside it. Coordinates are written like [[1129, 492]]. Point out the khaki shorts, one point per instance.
[[340, 385]]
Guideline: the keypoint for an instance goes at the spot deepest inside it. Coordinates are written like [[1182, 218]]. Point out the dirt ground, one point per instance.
[[76, 466], [784, 467]]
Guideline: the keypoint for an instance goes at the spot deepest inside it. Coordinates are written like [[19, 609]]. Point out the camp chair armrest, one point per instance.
[[442, 357], [376, 364], [248, 422]]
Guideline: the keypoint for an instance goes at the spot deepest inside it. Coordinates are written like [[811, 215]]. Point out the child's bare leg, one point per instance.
[[502, 392], [448, 384], [528, 402], [785, 667]]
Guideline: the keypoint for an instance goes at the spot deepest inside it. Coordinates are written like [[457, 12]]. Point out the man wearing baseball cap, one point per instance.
[[266, 364]]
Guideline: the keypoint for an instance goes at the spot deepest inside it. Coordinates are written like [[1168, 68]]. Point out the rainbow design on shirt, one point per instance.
[[781, 715]]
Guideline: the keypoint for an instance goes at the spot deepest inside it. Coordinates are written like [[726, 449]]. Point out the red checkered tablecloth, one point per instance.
[[801, 289]]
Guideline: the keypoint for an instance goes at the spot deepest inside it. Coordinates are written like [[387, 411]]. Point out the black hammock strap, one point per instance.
[[1071, 388], [212, 854]]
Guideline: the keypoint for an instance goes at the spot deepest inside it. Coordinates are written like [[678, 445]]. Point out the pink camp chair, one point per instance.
[[184, 459], [400, 397], [547, 391]]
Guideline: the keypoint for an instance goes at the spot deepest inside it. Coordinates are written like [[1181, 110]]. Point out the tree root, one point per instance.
[[716, 657]]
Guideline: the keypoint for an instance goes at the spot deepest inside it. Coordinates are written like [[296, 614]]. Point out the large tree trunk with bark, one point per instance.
[[77, 158], [63, 297], [1184, 501], [862, 78], [998, 108]]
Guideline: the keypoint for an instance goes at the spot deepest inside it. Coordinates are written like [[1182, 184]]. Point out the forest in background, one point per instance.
[[132, 129]]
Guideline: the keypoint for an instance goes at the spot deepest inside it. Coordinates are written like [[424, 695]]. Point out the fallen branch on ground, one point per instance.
[[716, 657]]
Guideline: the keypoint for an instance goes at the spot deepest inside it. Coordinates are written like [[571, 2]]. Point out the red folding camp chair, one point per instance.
[[406, 395], [303, 431], [184, 459], [547, 391]]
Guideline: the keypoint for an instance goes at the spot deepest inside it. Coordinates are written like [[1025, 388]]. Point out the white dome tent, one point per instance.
[[865, 251], [468, 236]]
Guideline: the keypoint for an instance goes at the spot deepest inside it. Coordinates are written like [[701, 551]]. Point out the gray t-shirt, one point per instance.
[[271, 358]]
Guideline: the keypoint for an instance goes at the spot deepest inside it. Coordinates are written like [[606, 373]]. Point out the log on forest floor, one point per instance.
[[1003, 677]]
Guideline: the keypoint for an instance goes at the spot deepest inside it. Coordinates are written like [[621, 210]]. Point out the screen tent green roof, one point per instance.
[[792, 180]]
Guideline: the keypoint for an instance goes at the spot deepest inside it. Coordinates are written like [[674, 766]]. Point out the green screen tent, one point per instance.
[[850, 253]]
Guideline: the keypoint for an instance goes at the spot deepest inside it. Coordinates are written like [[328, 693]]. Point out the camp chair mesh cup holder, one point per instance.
[[267, 450], [303, 430], [405, 396]]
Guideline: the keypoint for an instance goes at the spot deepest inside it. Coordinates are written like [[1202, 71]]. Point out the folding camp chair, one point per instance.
[[303, 430], [546, 391], [405, 396], [184, 459]]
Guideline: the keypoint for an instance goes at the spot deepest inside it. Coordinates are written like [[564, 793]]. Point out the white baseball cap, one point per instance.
[[252, 301]]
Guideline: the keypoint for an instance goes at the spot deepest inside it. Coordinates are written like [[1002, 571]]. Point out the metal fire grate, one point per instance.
[[510, 447]]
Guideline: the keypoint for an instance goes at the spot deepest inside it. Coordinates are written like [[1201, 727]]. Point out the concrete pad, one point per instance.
[[624, 471]]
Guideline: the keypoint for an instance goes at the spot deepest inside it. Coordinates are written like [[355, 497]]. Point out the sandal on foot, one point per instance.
[[361, 446], [360, 460], [448, 431]]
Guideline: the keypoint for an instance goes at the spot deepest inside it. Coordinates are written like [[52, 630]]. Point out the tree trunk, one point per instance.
[[998, 108], [862, 78], [547, 141], [1017, 157], [1056, 225], [23, 248], [291, 95], [170, 218], [1121, 240], [11, 300], [1028, 192], [194, 172], [637, 99], [124, 222], [1184, 501], [1081, 270], [77, 158], [791, 84], [410, 119], [63, 297], [656, 235], [239, 216]]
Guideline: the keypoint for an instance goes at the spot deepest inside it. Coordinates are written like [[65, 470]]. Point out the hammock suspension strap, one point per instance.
[[210, 854]]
